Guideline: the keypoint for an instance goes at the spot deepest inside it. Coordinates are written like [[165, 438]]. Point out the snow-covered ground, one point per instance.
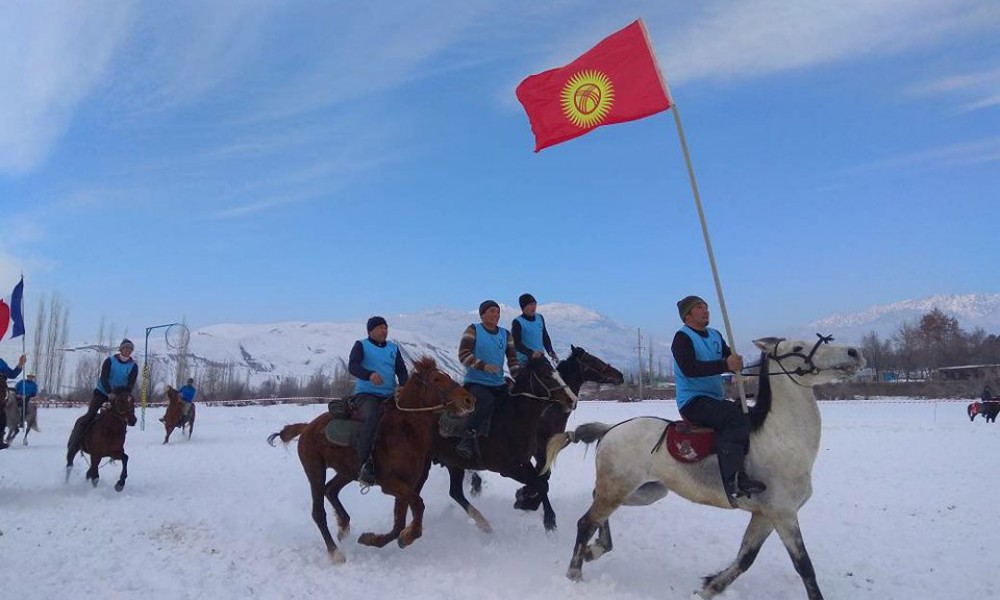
[[904, 507]]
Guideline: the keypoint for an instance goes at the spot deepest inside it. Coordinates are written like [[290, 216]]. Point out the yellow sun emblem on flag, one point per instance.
[[587, 98]]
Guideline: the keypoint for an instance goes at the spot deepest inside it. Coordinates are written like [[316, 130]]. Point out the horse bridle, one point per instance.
[[560, 383], [808, 367], [120, 413], [442, 396], [583, 367]]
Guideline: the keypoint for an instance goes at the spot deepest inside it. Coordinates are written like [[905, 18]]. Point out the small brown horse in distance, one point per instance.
[[175, 411], [106, 438], [402, 455]]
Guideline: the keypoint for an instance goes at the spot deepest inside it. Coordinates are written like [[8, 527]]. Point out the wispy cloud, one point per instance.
[[965, 153], [978, 90], [751, 38], [52, 56]]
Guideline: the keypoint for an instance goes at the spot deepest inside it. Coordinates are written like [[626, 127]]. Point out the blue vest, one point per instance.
[[26, 388], [383, 362], [490, 348], [531, 335], [188, 393], [118, 377], [705, 349]]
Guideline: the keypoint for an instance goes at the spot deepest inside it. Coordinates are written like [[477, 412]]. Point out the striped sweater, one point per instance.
[[468, 358]]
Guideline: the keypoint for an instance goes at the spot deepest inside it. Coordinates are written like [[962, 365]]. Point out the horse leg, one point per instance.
[[190, 424], [399, 521], [316, 473], [92, 474], [526, 474], [167, 437], [415, 529], [475, 484], [121, 478], [757, 531], [455, 491], [602, 545], [333, 487], [605, 502], [791, 535]]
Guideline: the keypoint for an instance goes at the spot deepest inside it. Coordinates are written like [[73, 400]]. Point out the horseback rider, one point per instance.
[[987, 394], [531, 337], [118, 375], [483, 348], [187, 394], [701, 356], [8, 373], [377, 365], [24, 391]]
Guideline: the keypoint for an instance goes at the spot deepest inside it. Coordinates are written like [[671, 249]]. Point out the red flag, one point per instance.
[[615, 81]]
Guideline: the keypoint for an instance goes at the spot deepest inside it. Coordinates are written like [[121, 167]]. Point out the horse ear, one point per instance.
[[573, 349], [767, 344]]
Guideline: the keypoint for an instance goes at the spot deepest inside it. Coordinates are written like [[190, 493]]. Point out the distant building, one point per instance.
[[968, 372]]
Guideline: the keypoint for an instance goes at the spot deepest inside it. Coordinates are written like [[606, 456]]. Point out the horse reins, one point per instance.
[[808, 367], [442, 397]]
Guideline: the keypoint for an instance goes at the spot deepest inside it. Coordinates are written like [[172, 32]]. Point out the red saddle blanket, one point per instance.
[[689, 443]]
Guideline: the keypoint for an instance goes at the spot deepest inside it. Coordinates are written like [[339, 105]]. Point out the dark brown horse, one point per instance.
[[175, 412], [402, 455], [106, 438], [512, 440], [579, 367], [989, 410]]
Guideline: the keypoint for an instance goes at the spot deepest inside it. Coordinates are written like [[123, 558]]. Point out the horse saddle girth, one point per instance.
[[688, 443]]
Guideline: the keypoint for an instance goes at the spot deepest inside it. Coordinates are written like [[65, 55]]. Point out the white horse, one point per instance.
[[634, 468]]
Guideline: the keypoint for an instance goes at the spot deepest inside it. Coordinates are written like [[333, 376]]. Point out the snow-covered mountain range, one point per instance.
[[970, 310], [262, 352]]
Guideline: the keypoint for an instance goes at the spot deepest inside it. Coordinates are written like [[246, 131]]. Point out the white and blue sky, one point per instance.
[[265, 161]]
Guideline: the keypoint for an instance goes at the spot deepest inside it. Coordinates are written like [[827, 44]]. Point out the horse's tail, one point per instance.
[[287, 433], [588, 433]]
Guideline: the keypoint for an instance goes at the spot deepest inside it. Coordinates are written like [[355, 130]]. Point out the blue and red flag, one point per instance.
[[17, 309]]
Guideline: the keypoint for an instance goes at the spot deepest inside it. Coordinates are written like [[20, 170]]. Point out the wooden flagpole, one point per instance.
[[701, 213]]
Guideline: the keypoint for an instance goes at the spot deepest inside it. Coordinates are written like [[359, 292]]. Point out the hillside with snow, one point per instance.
[[970, 310], [263, 352]]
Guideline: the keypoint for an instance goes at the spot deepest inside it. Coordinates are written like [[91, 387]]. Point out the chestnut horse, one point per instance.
[[579, 367], [106, 438], [175, 412], [402, 455]]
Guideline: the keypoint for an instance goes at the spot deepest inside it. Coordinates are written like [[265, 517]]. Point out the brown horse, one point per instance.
[[512, 440], [402, 455], [175, 413], [106, 438]]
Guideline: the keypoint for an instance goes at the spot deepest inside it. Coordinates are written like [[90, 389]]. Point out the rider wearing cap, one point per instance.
[[701, 356], [118, 375]]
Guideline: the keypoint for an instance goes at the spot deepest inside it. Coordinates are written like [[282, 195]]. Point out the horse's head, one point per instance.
[[123, 406], [811, 363], [590, 368], [540, 380], [173, 395], [429, 388]]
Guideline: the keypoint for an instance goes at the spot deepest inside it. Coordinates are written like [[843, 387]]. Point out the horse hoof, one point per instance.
[[337, 557], [343, 532], [119, 487], [94, 482], [550, 526], [368, 539], [574, 574]]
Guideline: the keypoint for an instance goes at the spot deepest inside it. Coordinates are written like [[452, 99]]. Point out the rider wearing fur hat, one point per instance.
[[701, 356], [377, 366], [118, 375], [483, 349]]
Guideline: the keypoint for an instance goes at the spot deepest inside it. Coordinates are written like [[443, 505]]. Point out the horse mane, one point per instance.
[[425, 363], [762, 405]]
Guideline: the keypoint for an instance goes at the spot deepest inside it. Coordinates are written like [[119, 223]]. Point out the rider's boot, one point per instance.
[[367, 473], [467, 447]]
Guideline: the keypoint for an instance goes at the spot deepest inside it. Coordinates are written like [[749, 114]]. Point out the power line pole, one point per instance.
[[638, 348]]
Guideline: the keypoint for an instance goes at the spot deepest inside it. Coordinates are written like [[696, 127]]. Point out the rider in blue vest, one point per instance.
[[187, 393], [701, 356], [7, 373], [118, 375], [483, 349], [24, 391], [531, 337], [377, 365]]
